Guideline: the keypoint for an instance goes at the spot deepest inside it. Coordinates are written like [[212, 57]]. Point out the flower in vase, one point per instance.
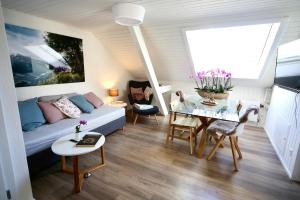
[[81, 123], [214, 80]]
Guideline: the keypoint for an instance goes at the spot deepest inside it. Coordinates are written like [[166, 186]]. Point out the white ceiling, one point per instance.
[[163, 26]]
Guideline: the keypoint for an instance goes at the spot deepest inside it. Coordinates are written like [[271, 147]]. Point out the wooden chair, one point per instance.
[[182, 124], [232, 130]]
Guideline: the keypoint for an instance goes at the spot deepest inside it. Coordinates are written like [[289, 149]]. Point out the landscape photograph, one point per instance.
[[44, 58]]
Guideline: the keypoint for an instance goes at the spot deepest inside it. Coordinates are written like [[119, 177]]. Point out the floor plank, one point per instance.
[[141, 166]]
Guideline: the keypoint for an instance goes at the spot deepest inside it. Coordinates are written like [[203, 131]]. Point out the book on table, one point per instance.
[[89, 140]]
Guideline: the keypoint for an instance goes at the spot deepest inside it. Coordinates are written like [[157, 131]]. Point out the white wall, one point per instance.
[[12, 149], [101, 70]]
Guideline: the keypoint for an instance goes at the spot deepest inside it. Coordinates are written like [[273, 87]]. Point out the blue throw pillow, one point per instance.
[[82, 103], [30, 114]]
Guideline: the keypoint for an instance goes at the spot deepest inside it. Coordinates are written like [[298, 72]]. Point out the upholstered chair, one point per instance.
[[140, 99], [231, 130]]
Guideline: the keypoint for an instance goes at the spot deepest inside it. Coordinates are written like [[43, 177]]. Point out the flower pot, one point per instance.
[[205, 94]]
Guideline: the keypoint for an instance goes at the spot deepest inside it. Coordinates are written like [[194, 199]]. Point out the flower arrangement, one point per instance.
[[81, 123], [213, 81]]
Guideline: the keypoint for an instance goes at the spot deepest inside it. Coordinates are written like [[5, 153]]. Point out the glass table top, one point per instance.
[[224, 109]]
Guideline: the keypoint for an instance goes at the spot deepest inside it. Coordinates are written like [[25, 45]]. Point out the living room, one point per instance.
[[143, 85]]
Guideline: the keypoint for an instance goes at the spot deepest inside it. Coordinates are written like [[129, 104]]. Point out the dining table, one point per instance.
[[193, 104]]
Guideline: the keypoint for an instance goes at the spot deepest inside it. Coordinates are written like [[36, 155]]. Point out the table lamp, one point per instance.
[[113, 92]]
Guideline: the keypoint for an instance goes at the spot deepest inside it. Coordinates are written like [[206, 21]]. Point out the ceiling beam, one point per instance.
[[144, 54]]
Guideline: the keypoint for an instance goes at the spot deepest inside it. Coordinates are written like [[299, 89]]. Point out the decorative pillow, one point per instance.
[[82, 103], [137, 93], [67, 107], [30, 114], [93, 99], [147, 92], [51, 113]]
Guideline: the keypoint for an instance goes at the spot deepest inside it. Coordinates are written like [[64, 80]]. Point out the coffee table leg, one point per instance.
[[63, 163], [102, 154], [76, 175]]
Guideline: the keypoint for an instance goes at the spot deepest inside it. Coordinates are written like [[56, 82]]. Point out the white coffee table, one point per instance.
[[64, 147]]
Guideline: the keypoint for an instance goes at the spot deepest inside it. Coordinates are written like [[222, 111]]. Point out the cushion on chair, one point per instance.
[[137, 93], [185, 122], [147, 92], [82, 103], [150, 111], [223, 127], [30, 114]]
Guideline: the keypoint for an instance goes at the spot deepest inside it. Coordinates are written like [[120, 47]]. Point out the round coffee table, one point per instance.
[[64, 147]]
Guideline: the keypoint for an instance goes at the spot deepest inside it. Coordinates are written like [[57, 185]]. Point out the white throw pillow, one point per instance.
[[67, 107], [147, 93]]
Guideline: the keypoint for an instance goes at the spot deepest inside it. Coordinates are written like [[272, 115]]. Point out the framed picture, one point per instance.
[[44, 58]]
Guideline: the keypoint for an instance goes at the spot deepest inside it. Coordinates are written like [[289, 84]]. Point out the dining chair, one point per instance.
[[185, 126], [232, 130]]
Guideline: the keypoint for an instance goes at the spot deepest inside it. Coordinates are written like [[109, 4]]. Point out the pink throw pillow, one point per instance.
[[93, 99], [51, 113], [137, 93]]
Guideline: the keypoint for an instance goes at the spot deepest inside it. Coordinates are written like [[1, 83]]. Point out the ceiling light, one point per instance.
[[128, 14]]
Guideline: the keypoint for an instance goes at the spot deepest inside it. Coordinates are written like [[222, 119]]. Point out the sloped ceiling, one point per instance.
[[163, 27]]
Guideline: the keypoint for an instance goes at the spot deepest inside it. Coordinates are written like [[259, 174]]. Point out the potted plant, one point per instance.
[[213, 83]]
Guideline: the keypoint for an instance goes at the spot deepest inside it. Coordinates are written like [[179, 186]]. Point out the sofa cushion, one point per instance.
[[93, 99], [82, 103], [51, 113], [54, 97], [43, 137], [30, 114], [67, 107]]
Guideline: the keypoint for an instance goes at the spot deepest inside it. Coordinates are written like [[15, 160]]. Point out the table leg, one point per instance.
[[204, 124], [63, 163], [76, 175], [102, 154], [202, 143]]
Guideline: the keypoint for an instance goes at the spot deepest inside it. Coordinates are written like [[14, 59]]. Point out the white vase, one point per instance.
[[77, 136]]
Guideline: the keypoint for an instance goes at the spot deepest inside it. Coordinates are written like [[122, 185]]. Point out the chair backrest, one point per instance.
[[244, 118], [139, 84], [245, 115]]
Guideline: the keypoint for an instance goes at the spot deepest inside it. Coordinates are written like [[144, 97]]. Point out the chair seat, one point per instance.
[[223, 127], [150, 111], [185, 122]]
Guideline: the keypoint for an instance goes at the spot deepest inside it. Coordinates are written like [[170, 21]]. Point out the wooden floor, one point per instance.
[[140, 166]]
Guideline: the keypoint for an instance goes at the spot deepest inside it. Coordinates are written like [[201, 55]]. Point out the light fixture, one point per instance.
[[113, 92], [128, 14]]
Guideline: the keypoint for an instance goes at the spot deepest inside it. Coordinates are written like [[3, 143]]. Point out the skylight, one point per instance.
[[241, 50]]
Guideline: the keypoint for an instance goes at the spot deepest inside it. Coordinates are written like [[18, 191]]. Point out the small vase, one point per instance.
[[77, 136]]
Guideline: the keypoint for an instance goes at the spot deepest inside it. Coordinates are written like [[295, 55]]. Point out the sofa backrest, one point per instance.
[[54, 97]]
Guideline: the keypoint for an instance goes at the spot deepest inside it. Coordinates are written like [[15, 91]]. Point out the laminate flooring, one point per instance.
[[141, 166]]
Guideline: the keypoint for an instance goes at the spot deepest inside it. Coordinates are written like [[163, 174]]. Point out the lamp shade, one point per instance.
[[128, 14], [113, 92]]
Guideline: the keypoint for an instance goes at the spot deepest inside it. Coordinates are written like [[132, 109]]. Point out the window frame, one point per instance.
[[233, 23]]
